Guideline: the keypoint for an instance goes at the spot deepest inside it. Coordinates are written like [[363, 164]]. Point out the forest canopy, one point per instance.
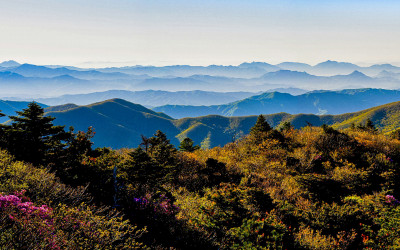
[[309, 188]]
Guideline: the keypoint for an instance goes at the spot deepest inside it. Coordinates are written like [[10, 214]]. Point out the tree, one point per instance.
[[32, 137], [261, 126], [3, 139], [143, 173], [368, 126], [68, 163], [187, 145], [286, 126], [145, 142], [161, 150], [148, 171]]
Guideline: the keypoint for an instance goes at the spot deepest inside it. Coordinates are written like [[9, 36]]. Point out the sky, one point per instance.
[[225, 32]]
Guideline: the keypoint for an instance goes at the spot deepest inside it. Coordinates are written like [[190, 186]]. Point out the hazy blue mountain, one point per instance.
[[30, 70], [13, 84], [292, 91], [151, 98], [173, 84], [31, 80], [285, 76], [187, 70], [355, 77], [304, 80], [9, 63], [317, 102], [377, 68], [295, 66], [388, 75], [261, 65], [333, 67]]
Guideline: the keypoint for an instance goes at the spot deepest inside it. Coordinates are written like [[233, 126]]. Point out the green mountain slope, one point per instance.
[[385, 117], [119, 123]]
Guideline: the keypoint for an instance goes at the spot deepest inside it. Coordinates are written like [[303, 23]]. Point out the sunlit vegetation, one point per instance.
[[309, 188]]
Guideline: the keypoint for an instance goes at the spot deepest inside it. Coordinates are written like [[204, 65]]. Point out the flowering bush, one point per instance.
[[26, 225], [389, 199], [159, 205]]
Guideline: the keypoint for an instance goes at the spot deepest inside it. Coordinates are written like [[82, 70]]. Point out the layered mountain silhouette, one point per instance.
[[152, 98], [36, 81], [317, 102]]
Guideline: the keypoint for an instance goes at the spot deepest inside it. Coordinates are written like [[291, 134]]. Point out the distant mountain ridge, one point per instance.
[[317, 102], [151, 98], [33, 80]]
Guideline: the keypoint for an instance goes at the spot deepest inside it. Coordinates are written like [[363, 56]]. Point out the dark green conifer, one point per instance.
[[286, 126], [260, 127], [32, 136], [162, 150], [187, 145]]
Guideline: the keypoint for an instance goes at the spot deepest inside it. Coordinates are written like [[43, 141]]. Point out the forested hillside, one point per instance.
[[287, 188], [119, 123]]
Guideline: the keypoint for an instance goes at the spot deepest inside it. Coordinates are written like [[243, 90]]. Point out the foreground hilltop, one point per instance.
[[309, 188], [119, 123]]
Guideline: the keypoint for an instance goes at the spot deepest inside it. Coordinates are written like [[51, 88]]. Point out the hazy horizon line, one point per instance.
[[106, 64]]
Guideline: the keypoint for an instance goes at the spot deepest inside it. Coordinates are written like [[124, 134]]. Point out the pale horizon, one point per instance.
[[178, 32], [99, 64]]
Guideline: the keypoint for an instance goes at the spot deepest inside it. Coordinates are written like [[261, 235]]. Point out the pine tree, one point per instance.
[[162, 150], [143, 172], [32, 137], [187, 145], [148, 171], [260, 127], [3, 138]]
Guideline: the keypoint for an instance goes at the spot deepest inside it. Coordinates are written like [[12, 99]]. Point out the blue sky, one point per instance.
[[130, 32]]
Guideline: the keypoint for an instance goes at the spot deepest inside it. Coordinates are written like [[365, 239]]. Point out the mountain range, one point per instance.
[[35, 81], [119, 123], [315, 102], [152, 98]]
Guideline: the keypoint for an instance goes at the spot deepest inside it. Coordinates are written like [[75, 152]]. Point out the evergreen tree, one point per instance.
[[68, 163], [162, 150], [148, 171], [286, 126], [32, 137], [369, 125], [3, 138], [261, 126], [187, 145], [143, 173]]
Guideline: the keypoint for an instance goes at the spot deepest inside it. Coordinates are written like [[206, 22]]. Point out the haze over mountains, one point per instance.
[[34, 81], [152, 98], [210, 104], [316, 102]]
